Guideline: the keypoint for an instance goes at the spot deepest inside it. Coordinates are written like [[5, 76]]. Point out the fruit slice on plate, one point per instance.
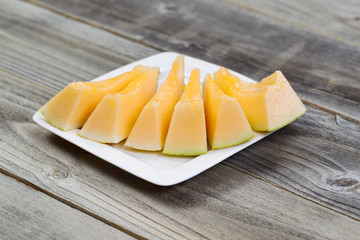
[[268, 105], [187, 130], [114, 117], [226, 123], [71, 107], [151, 127]]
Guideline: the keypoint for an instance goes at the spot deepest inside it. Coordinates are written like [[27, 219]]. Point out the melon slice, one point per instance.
[[150, 129], [71, 107], [268, 105], [115, 116], [187, 130], [226, 123]]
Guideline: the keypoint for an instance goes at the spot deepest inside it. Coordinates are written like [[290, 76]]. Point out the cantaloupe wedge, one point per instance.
[[268, 105], [187, 130], [151, 127], [226, 123], [71, 107], [115, 116]]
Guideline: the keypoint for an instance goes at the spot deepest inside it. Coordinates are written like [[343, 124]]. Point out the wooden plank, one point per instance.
[[60, 49], [11, 46], [324, 71], [89, 199], [331, 18], [28, 214], [221, 203], [316, 157]]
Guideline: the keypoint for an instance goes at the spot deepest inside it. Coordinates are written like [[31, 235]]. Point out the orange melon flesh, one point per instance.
[[187, 130], [71, 107], [226, 123], [115, 116], [150, 129], [268, 105]]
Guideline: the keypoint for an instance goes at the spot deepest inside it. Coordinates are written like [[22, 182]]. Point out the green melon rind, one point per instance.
[[236, 143], [185, 154], [273, 129], [42, 113], [90, 139]]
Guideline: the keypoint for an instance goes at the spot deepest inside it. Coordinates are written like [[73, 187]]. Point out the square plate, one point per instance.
[[155, 167]]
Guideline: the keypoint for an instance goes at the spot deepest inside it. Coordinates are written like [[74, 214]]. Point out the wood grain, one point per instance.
[[29, 214], [218, 204], [316, 157], [313, 15], [250, 196], [316, 187], [59, 49], [324, 71], [32, 56]]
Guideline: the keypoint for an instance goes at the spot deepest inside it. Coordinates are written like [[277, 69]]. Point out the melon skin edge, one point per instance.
[[226, 123], [294, 119], [114, 117], [268, 105], [52, 115], [247, 138], [150, 129], [187, 131], [70, 108], [244, 137]]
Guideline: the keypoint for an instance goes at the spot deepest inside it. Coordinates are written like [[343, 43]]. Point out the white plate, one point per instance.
[[154, 167]]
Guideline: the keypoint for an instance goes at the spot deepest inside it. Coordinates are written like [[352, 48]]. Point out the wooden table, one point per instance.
[[303, 182]]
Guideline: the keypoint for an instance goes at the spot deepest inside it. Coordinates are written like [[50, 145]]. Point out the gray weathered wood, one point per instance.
[[11, 57], [323, 70], [79, 190], [218, 204], [29, 214], [224, 202], [59, 49], [10, 53], [332, 18], [317, 157]]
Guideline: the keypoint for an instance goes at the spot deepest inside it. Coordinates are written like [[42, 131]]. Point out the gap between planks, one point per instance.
[[231, 2], [107, 29], [255, 176], [71, 204], [325, 109], [15, 39], [79, 207], [118, 227], [93, 24], [285, 189], [26, 182], [284, 20], [27, 80]]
